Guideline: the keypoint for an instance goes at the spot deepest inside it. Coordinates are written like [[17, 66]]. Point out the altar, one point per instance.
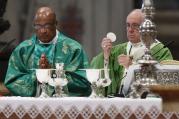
[[79, 107]]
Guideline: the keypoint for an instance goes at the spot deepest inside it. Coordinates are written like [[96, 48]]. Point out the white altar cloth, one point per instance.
[[73, 106]]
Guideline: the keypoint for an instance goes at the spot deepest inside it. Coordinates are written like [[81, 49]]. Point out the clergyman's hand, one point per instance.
[[106, 45], [43, 62], [124, 60]]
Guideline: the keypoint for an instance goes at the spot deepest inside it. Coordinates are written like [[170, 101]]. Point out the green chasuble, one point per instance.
[[116, 70], [21, 79]]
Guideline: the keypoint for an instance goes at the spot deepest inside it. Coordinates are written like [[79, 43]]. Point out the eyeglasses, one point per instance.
[[133, 26], [45, 26]]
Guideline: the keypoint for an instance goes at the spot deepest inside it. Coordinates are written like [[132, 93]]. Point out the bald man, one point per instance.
[[45, 48], [118, 58]]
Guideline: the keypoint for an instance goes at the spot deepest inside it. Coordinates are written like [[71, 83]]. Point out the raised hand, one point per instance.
[[106, 45]]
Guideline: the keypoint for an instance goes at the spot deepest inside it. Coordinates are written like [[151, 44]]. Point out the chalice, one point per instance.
[[43, 76]]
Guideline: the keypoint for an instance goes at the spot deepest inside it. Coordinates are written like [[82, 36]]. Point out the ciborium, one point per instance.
[[59, 81]]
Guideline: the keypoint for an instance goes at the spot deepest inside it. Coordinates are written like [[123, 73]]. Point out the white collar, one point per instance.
[[53, 41], [131, 46], [139, 44]]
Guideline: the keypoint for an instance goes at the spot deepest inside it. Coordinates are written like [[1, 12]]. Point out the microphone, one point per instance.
[[166, 45], [120, 94]]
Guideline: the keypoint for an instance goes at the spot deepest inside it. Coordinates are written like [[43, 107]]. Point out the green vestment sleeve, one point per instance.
[[159, 53], [20, 80]]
